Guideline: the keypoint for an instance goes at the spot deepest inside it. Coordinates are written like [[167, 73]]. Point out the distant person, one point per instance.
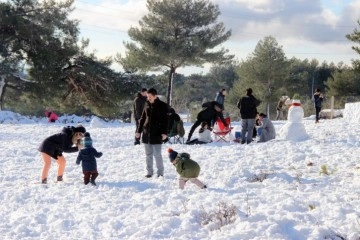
[[212, 111], [138, 108], [266, 130], [280, 108], [54, 146], [51, 116], [87, 157], [318, 99], [220, 97], [187, 168], [248, 110], [204, 135], [153, 127]]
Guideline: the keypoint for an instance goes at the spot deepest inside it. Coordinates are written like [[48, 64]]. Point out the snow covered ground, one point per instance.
[[277, 190]]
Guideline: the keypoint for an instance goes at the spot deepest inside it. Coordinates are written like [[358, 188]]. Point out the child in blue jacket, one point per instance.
[[88, 156]]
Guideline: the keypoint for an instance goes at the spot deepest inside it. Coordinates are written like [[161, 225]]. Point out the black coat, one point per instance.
[[153, 122], [58, 143], [87, 157], [139, 103], [247, 106], [209, 113]]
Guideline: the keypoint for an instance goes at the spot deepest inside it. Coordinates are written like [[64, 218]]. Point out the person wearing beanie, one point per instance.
[[54, 146], [87, 156], [138, 107], [248, 111], [187, 168], [153, 128]]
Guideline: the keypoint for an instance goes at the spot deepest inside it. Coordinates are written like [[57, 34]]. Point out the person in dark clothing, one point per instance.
[[248, 110], [153, 126], [87, 156], [172, 117], [318, 99], [55, 145], [220, 97], [212, 110], [139, 103]]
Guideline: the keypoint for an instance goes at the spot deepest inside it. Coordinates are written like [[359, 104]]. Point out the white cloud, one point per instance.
[[308, 29]]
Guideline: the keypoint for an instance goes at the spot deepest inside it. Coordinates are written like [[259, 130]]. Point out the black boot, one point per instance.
[[93, 182], [44, 181], [59, 178]]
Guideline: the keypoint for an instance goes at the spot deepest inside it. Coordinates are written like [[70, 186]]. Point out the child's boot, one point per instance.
[[93, 182], [44, 181], [59, 178]]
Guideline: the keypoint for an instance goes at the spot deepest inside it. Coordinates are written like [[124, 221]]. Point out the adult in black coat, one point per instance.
[[138, 107], [54, 146], [248, 110], [212, 111], [153, 126]]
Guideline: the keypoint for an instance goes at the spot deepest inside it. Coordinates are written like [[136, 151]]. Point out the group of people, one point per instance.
[[70, 139], [153, 120]]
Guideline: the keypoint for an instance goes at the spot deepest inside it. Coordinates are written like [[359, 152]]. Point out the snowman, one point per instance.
[[294, 128]]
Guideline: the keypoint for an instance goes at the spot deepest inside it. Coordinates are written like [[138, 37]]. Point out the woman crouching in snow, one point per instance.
[[54, 146]]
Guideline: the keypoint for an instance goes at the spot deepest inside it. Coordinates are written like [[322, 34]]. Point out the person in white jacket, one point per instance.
[[204, 135]]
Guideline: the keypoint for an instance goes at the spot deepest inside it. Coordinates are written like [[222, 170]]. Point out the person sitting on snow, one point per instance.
[[52, 117], [266, 132]]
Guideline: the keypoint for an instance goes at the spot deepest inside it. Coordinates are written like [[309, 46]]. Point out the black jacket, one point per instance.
[[153, 122], [247, 106], [87, 157], [58, 143], [139, 103], [209, 113]]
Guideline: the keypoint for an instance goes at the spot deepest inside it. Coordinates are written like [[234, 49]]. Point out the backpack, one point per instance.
[[180, 128]]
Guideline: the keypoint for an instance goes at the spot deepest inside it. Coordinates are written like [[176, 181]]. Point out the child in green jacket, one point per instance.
[[187, 168]]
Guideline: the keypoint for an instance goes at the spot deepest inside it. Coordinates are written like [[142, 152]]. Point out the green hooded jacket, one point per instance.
[[186, 167]]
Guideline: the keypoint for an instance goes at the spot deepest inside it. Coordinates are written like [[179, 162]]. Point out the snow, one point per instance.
[[279, 188]]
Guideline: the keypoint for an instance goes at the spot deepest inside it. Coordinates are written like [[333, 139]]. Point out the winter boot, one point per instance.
[[59, 178], [44, 181], [93, 182]]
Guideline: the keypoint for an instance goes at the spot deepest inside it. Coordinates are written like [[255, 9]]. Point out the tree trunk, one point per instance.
[[170, 85], [2, 91]]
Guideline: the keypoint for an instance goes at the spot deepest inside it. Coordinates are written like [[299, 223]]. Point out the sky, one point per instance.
[[305, 29], [279, 190]]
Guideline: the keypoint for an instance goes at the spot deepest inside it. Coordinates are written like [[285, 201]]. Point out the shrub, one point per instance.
[[224, 215]]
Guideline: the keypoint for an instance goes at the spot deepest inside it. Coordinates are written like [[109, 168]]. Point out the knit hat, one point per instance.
[[172, 154], [79, 128], [87, 140]]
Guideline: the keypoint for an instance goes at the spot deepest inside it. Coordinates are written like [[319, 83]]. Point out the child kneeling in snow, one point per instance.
[[87, 155], [187, 168]]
